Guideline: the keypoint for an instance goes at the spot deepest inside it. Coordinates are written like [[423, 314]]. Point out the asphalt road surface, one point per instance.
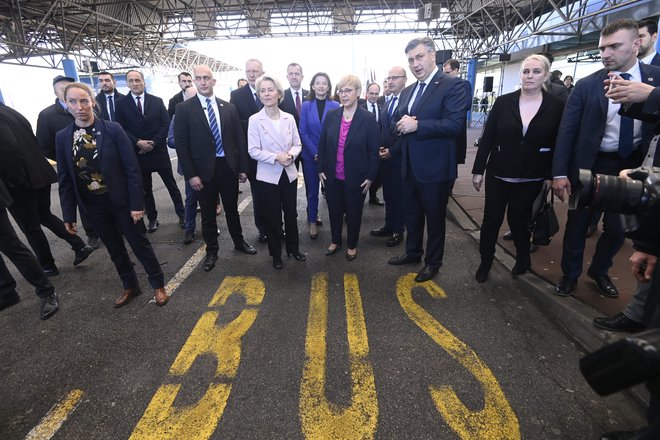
[[323, 349]]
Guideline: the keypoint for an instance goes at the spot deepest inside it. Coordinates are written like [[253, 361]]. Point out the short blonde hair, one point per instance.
[[78, 85], [351, 81], [278, 86]]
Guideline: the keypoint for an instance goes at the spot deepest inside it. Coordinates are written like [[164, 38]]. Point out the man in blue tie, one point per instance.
[[108, 96], [593, 136], [212, 150]]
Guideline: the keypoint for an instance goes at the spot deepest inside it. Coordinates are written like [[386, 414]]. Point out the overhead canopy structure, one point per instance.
[[119, 33]]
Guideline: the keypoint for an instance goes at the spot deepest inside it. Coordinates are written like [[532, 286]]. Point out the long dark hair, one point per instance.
[[311, 96]]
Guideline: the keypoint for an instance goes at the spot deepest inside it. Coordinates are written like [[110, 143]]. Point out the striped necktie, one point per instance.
[[213, 123]]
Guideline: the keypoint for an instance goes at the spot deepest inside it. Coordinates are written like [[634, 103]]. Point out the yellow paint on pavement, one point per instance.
[[496, 421], [320, 418], [57, 415], [162, 420]]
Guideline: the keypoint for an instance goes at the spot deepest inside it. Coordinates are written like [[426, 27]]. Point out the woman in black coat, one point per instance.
[[516, 148], [347, 163]]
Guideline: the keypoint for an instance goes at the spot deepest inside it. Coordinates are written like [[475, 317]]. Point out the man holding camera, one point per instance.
[[593, 136]]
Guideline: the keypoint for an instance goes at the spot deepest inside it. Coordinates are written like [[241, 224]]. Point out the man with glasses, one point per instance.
[[429, 117]]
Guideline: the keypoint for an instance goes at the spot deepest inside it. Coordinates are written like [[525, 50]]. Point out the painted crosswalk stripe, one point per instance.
[[57, 415]]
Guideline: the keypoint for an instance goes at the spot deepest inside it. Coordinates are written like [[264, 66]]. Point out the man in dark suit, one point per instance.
[[212, 150], [51, 120], [373, 107], [593, 136], [108, 96], [247, 103], [30, 190], [295, 95], [144, 118], [452, 68], [648, 35], [185, 80], [387, 94], [390, 163], [429, 117]]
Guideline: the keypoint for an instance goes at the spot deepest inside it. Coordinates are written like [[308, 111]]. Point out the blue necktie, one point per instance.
[[420, 91], [390, 111], [258, 102], [626, 131], [213, 123], [112, 107]]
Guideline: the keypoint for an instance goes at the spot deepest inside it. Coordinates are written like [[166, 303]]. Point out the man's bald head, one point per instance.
[[204, 80]]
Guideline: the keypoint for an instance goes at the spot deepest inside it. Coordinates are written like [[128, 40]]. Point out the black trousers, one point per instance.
[[516, 199], [393, 194], [168, 179], [275, 200], [377, 183], [225, 182], [259, 220], [113, 224], [343, 200], [425, 203], [612, 238], [31, 210], [24, 261]]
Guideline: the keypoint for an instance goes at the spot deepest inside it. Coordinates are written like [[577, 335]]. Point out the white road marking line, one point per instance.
[[57, 415], [193, 261]]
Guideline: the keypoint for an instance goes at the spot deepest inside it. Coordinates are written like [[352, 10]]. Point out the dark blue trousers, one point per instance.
[[393, 194], [113, 224]]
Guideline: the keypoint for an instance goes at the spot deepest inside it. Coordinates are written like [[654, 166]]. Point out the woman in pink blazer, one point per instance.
[[273, 141]]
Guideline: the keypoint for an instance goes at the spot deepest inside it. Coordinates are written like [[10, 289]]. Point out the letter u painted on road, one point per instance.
[[320, 418], [496, 421], [162, 420]]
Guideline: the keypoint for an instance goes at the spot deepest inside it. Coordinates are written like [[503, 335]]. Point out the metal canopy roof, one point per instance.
[[118, 33]]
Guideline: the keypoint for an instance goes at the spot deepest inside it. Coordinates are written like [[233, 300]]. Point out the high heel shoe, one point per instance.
[[332, 251], [297, 255], [277, 263], [351, 257], [313, 234]]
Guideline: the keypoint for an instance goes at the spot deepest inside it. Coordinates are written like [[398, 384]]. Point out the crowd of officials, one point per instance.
[[409, 141]]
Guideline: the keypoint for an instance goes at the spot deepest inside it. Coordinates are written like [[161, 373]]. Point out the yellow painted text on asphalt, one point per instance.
[[496, 421]]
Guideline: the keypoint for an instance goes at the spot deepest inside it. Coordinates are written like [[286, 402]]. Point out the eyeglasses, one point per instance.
[[393, 77], [345, 91], [418, 58]]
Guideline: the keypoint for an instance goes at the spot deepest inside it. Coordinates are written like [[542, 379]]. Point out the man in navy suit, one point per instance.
[[108, 96], [452, 68], [247, 103], [372, 105], [648, 35], [390, 162], [212, 150], [145, 120], [429, 118], [593, 136]]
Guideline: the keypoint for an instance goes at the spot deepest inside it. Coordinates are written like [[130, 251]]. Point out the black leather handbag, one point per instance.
[[544, 224]]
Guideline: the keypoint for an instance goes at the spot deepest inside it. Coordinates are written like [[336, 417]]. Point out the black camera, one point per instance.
[[631, 197]]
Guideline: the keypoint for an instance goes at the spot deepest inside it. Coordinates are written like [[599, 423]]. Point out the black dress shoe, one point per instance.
[[188, 237], [482, 271], [404, 259], [351, 257], [519, 269], [93, 242], [182, 222], [605, 285], [262, 237], [332, 251], [82, 254], [49, 306], [395, 239], [9, 300], [376, 201], [619, 323], [277, 263], [245, 248], [51, 271], [426, 273], [209, 262], [381, 232], [565, 286], [297, 255], [153, 226]]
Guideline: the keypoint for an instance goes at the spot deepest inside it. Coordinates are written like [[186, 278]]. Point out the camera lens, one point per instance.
[[606, 193]]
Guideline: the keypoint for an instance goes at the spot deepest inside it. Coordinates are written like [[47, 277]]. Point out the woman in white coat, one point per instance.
[[273, 141]]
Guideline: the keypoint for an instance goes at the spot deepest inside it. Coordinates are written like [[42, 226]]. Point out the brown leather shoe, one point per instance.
[[127, 296], [161, 296]]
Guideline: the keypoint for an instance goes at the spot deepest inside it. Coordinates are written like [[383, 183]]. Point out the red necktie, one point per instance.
[[139, 105], [298, 103]]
